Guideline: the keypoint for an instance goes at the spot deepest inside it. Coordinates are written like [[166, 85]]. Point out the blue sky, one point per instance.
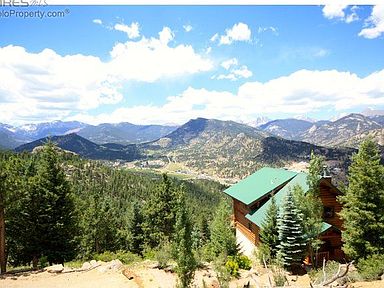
[[167, 64]]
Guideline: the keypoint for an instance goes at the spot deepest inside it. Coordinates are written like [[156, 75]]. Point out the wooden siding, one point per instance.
[[332, 238], [328, 195], [249, 229]]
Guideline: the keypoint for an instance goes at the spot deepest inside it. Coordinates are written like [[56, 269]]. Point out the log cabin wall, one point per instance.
[[249, 229], [332, 208]]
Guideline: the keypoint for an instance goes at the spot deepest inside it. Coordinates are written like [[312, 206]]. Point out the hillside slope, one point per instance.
[[86, 148]]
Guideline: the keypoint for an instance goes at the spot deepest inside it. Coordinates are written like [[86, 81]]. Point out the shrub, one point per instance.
[[163, 255], [233, 267], [124, 256], [43, 262], [244, 262], [263, 253], [234, 263], [278, 275], [222, 273], [316, 275], [331, 268], [372, 267]]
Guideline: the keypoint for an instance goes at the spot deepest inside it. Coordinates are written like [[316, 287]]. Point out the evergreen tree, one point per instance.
[[160, 213], [48, 211], [186, 263], [223, 239], [310, 205], [3, 176], [315, 169], [363, 209], [136, 227], [18, 170], [269, 233], [291, 236]]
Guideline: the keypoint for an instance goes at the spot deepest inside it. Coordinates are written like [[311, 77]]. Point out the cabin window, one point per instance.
[[329, 212]]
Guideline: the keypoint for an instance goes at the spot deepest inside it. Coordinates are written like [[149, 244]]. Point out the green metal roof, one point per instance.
[[257, 216], [325, 227], [258, 184]]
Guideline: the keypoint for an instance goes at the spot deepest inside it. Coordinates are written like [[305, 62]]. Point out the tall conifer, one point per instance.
[[269, 233], [291, 236], [363, 209]]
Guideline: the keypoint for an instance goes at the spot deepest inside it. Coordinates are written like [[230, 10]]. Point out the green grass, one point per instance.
[[74, 264]]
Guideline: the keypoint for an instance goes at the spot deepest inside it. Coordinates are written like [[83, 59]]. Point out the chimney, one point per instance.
[[326, 174]]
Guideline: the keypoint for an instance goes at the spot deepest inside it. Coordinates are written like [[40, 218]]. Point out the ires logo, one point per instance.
[[14, 3], [23, 3]]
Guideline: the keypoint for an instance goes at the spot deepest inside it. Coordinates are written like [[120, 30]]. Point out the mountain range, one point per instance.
[[121, 133], [226, 149]]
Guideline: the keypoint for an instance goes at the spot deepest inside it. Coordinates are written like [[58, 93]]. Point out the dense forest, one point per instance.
[[60, 207], [56, 207]]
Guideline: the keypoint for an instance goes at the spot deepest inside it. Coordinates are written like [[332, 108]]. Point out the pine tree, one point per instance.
[[186, 263], [291, 236], [310, 205], [223, 238], [363, 209], [160, 213], [269, 233], [315, 169], [48, 211], [3, 176], [136, 227]]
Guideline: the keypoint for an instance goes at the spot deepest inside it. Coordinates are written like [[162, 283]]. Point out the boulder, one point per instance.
[[93, 263], [55, 268], [382, 277], [86, 266]]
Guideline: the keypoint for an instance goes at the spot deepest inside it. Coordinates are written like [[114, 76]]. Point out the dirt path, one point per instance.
[[145, 274], [89, 279]]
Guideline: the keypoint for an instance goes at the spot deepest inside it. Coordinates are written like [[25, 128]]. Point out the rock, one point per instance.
[[102, 269], [129, 274], [382, 277], [116, 264], [93, 263], [86, 266], [55, 268]]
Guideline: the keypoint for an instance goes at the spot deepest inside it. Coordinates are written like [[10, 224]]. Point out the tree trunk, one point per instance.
[[35, 261], [3, 262]]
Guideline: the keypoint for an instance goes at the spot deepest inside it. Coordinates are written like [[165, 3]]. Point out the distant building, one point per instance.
[[252, 196]]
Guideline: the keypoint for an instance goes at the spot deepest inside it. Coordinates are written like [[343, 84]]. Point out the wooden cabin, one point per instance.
[[252, 196]]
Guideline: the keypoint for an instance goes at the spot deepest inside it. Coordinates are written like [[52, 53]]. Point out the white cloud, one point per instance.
[[51, 85], [151, 59], [214, 37], [353, 16], [339, 12], [187, 28], [375, 23], [334, 11], [133, 31], [97, 21], [166, 35], [239, 32], [266, 29], [230, 76], [236, 72], [229, 63], [301, 92], [44, 86], [243, 72], [320, 52]]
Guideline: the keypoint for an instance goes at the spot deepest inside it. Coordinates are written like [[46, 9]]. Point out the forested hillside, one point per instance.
[[91, 208]]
